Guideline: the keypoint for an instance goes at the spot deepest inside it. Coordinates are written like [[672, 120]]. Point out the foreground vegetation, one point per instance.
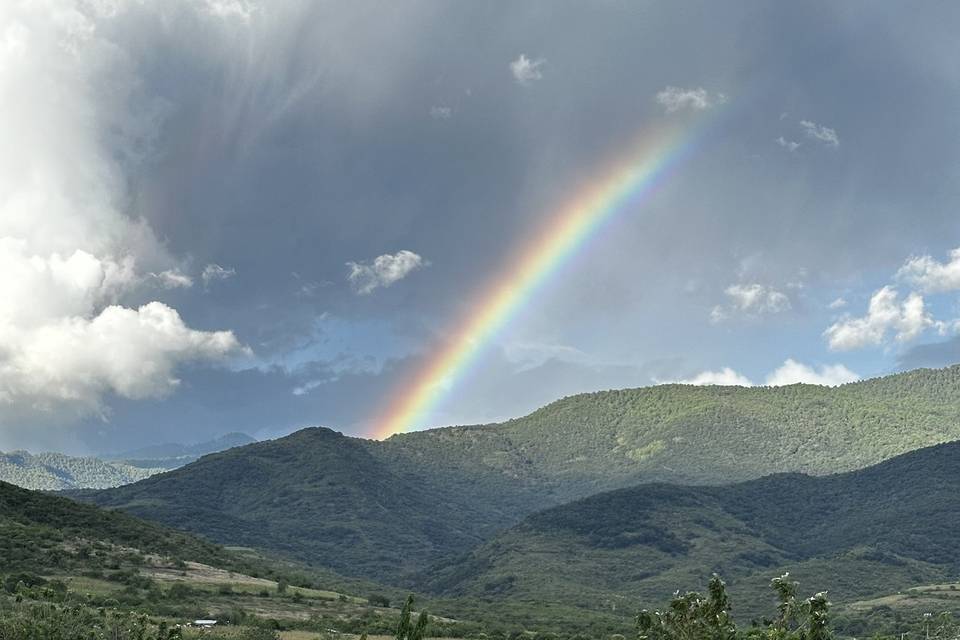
[[73, 571], [61, 561], [47, 612]]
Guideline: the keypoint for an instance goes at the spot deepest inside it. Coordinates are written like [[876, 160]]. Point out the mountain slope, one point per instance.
[[316, 495], [40, 531], [707, 434], [66, 566], [384, 509], [56, 471], [870, 531]]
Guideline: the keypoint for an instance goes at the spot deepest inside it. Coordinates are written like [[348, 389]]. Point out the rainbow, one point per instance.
[[625, 182]]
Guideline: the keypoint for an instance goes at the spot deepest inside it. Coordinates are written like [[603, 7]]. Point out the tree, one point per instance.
[[798, 619], [408, 631], [692, 616], [378, 600]]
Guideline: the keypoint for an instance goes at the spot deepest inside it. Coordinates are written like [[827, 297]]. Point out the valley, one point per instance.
[[471, 320]]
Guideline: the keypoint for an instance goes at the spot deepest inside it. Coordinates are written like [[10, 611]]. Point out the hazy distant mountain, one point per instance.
[[386, 509], [56, 471], [173, 455]]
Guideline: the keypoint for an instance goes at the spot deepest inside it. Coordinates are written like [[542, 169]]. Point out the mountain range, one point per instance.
[[392, 510], [55, 471], [50, 471], [172, 455]]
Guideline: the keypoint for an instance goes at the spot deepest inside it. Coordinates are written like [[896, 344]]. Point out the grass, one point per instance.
[[931, 597], [206, 577], [83, 585]]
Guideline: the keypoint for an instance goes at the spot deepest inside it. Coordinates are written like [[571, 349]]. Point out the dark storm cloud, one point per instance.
[[307, 136]]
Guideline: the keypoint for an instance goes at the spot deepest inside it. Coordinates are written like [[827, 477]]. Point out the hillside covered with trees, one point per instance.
[[56, 471], [49, 471], [855, 534], [387, 510], [75, 571]]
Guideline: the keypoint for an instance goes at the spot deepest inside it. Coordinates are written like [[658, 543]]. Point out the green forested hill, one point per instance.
[[707, 434], [384, 509], [75, 570], [56, 471], [40, 532], [50, 471], [317, 495], [875, 530]]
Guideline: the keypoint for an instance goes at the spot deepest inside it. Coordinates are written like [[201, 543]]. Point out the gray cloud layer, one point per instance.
[[281, 140]]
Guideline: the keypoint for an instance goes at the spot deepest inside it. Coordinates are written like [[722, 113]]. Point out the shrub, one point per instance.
[[378, 600]]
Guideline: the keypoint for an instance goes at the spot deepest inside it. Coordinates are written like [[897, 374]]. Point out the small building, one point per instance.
[[204, 624]]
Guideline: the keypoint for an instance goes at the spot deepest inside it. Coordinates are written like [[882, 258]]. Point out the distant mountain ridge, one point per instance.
[[51, 471], [388, 510], [57, 472], [172, 455]]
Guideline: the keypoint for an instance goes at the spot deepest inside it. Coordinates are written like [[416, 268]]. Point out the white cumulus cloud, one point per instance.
[[76, 360], [525, 70], [383, 270], [819, 132], [751, 300], [674, 99], [172, 279], [441, 113], [71, 251], [725, 377], [886, 315], [790, 372], [789, 145], [213, 272], [931, 276]]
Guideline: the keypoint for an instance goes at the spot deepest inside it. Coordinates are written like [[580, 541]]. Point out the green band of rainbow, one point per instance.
[[626, 182]]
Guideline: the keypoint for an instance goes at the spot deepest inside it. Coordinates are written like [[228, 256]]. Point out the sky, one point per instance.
[[232, 215]]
